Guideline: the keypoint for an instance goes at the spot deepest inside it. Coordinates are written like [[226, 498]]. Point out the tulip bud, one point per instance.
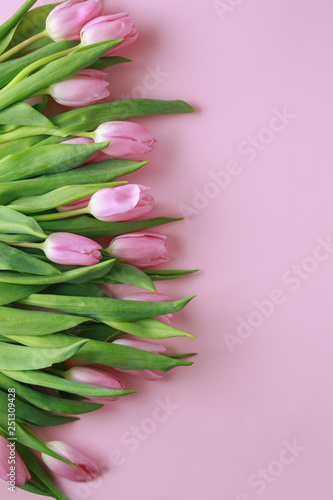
[[101, 29], [99, 377], [126, 138], [152, 297], [22, 475], [86, 469], [87, 87], [67, 19], [143, 346], [142, 249], [72, 249]]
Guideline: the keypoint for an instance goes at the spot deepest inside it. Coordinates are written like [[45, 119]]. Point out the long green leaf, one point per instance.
[[12, 293], [22, 113], [22, 322], [103, 353], [45, 401], [149, 328], [107, 62], [41, 160], [56, 71], [104, 171], [15, 18], [13, 222], [25, 413], [14, 357], [26, 437], [90, 117], [93, 228], [9, 69], [18, 146], [78, 275], [105, 310], [58, 197], [13, 259], [44, 379], [6, 40]]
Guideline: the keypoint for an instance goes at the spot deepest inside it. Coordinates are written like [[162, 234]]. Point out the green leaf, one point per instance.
[[90, 117], [11, 68], [105, 310], [169, 274], [103, 353], [128, 275], [12, 293], [32, 23], [22, 113], [15, 357], [93, 228], [78, 275], [13, 259], [104, 171], [53, 72], [33, 488], [58, 197], [17, 146], [21, 322], [44, 379], [6, 40], [26, 437], [25, 413], [15, 18], [13, 222], [100, 332], [107, 62], [51, 159], [150, 328], [45, 401]]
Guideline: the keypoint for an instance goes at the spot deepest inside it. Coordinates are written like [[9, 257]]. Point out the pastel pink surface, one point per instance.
[[234, 413]]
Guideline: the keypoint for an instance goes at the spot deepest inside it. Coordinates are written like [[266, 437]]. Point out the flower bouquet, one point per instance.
[[65, 339]]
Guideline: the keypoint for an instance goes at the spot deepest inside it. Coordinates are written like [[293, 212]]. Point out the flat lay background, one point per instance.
[[252, 170]]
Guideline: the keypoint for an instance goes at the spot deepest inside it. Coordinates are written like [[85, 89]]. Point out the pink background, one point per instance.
[[236, 413]]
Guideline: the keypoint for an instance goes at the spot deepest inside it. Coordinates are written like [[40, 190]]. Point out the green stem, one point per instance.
[[22, 46], [27, 245], [54, 371], [37, 64], [62, 215]]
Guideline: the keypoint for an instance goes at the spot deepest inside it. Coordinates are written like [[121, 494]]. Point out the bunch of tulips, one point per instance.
[[65, 337]]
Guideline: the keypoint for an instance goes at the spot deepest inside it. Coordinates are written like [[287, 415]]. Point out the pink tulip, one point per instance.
[[67, 19], [7, 454], [99, 377], [126, 138], [118, 26], [143, 346], [87, 87], [142, 249], [86, 469], [72, 249], [152, 297], [121, 203]]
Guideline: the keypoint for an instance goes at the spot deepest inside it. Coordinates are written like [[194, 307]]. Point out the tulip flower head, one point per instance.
[[72, 249], [85, 470], [142, 249], [87, 87], [94, 376], [22, 475], [121, 203], [67, 19], [152, 297], [127, 138], [143, 345], [103, 28]]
